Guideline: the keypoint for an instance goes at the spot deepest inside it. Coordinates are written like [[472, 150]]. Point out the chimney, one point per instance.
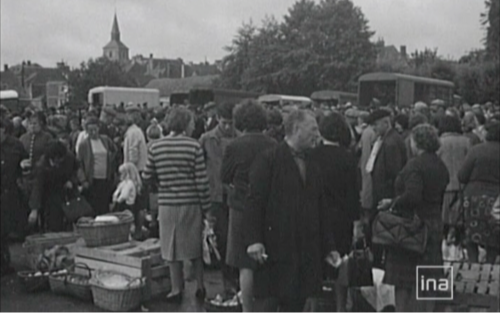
[[150, 55], [182, 70], [402, 50], [6, 67], [29, 63]]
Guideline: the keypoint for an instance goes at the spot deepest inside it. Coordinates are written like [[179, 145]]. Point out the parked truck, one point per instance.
[[121, 96]]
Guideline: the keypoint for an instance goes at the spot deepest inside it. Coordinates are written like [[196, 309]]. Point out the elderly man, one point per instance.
[[289, 229], [214, 145]]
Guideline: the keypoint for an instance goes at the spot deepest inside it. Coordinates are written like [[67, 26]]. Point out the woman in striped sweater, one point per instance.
[[176, 164]]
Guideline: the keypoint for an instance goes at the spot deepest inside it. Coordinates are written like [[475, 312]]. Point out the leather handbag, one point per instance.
[[392, 229], [76, 207]]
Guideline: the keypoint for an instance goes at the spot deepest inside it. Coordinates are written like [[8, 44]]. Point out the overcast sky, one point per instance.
[[47, 31]]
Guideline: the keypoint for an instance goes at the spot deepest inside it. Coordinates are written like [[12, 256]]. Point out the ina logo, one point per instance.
[[434, 282]]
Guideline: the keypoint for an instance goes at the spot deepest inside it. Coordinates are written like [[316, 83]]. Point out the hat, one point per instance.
[[109, 111], [420, 105], [352, 113], [377, 115], [209, 106], [131, 107]]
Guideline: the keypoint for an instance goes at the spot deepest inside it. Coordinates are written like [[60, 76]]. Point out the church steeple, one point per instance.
[[115, 50], [115, 31]]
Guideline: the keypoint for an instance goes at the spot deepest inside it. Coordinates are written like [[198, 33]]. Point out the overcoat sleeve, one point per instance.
[[260, 179]]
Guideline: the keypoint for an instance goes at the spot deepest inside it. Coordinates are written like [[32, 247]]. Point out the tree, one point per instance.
[[96, 72], [491, 19], [323, 45]]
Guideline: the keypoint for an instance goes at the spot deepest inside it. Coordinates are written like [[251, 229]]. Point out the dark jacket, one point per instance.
[[390, 160], [341, 190], [12, 152], [86, 158], [39, 145], [480, 171], [290, 218], [421, 185], [236, 163]]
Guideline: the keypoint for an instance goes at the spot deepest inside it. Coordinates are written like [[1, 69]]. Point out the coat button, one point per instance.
[[270, 228]]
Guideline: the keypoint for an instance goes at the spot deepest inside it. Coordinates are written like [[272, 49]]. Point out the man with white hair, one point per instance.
[[290, 229], [19, 129]]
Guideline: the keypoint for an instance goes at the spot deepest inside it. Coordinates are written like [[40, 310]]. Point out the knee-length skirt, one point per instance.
[[180, 232]]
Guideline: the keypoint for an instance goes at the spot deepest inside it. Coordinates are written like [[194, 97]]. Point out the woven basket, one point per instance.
[[63, 284], [35, 245], [33, 283], [105, 234], [118, 299], [211, 307]]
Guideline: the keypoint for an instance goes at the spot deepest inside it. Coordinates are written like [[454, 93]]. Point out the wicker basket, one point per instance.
[[105, 234], [33, 283], [35, 245], [119, 299], [211, 307], [64, 284]]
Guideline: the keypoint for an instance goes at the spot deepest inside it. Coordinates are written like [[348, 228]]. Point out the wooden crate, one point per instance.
[[136, 259], [476, 287]]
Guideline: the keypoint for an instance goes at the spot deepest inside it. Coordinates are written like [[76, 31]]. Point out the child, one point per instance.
[[126, 192]]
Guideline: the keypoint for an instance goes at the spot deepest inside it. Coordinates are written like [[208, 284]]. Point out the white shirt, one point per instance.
[[373, 155], [125, 191], [81, 137]]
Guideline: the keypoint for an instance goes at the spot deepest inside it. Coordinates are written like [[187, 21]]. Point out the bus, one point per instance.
[[121, 96], [200, 95], [402, 90], [334, 98], [285, 100]]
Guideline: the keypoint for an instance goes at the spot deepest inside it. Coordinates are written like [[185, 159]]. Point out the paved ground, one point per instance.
[[13, 298]]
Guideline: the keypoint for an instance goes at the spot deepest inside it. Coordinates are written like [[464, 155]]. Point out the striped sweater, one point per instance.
[[177, 165]]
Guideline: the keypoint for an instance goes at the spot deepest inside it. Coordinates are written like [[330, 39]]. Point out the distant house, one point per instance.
[[31, 81], [389, 56]]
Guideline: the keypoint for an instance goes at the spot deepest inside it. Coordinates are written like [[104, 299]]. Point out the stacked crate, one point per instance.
[[476, 287], [136, 259]]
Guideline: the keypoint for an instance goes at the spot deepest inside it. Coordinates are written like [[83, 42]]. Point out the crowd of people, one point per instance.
[[282, 187]]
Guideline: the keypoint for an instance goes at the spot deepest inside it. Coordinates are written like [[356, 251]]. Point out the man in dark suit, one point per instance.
[[387, 158], [290, 229]]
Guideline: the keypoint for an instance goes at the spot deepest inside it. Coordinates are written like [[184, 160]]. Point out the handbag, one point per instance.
[[359, 267], [392, 229], [76, 207]]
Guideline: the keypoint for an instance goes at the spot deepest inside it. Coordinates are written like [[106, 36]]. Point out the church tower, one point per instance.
[[115, 50]]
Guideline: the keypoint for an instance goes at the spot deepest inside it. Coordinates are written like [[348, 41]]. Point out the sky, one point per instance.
[[49, 31]]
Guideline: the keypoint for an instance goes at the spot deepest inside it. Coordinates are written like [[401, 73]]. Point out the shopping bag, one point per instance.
[[391, 228], [76, 207]]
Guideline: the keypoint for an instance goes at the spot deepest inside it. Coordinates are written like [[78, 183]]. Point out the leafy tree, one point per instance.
[[323, 45], [96, 72], [491, 19]]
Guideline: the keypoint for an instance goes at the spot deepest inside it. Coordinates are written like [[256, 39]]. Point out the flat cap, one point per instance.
[[352, 113], [209, 106], [377, 115], [131, 107]]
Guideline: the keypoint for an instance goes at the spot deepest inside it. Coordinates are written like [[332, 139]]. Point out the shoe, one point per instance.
[[177, 298], [201, 293]]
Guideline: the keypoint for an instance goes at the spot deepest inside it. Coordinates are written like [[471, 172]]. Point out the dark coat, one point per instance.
[[236, 163], [390, 160], [420, 188], [341, 190], [12, 211], [49, 193], [290, 218]]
